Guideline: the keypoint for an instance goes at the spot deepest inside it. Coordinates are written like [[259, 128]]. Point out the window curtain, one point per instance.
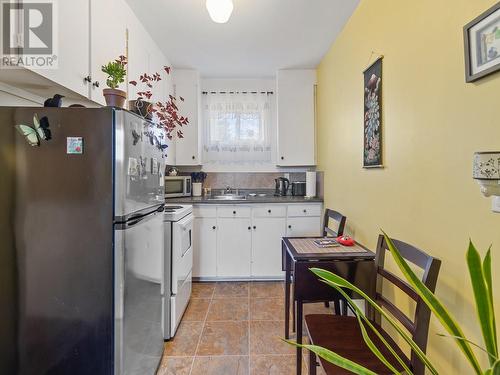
[[237, 127]]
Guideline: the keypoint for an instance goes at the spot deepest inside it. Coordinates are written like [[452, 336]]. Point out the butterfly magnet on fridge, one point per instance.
[[37, 132]]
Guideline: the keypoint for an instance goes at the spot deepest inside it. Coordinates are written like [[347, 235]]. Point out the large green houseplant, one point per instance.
[[481, 279]]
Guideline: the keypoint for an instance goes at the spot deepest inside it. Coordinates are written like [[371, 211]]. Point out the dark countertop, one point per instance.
[[267, 199]]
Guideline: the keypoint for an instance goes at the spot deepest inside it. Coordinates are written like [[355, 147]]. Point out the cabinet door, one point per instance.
[[266, 246], [296, 117], [186, 85], [303, 226], [73, 47], [234, 242], [205, 247], [108, 41]]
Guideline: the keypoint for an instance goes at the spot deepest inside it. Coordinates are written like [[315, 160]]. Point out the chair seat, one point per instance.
[[342, 335]]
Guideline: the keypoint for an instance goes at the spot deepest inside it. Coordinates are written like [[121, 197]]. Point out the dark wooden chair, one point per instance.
[[338, 218], [342, 335]]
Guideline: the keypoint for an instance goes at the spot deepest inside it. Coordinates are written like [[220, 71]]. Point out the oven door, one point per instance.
[[182, 251]]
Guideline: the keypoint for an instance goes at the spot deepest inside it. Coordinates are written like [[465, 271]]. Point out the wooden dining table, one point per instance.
[[300, 254]]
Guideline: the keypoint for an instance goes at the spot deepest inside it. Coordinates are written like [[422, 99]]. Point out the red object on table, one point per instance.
[[345, 240]]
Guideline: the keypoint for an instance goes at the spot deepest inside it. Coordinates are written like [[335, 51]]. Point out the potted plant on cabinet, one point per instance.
[[116, 75]]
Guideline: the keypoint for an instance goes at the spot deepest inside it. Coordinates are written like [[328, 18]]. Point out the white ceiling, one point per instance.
[[261, 37]]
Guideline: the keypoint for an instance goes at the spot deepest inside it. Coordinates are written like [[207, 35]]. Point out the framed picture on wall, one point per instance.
[[482, 44], [372, 152]]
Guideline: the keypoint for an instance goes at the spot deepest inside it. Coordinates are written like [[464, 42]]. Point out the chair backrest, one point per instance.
[[419, 325], [339, 218]]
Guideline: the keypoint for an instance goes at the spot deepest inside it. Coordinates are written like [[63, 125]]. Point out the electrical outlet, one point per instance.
[[495, 205]]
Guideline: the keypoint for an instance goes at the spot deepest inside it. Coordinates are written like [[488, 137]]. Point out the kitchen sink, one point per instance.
[[228, 197]]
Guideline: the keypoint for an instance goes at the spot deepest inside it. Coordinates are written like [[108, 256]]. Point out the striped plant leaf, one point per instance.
[[336, 359], [374, 348], [495, 370], [443, 315], [335, 280], [484, 303], [489, 283], [363, 320]]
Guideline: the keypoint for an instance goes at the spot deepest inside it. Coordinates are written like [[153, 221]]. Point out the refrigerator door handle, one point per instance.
[[136, 219]]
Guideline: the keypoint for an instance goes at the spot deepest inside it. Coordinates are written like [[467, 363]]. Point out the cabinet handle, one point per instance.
[[282, 158], [214, 227], [193, 157], [249, 228], [254, 227], [269, 211], [234, 212], [87, 79], [96, 84], [289, 227], [305, 211]]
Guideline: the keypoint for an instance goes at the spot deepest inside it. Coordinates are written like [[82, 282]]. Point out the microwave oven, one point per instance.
[[177, 186]]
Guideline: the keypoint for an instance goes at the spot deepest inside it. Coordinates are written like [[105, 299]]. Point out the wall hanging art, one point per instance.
[[372, 153]]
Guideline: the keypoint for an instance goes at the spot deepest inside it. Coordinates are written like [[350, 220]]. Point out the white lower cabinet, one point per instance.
[[244, 241], [205, 247], [303, 226], [266, 246], [234, 244]]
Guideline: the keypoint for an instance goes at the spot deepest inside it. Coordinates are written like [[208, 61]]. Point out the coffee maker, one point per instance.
[[282, 185]]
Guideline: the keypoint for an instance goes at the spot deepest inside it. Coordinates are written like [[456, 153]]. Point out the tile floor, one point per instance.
[[233, 328]]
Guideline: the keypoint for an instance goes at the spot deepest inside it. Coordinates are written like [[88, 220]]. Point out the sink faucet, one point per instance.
[[228, 190]]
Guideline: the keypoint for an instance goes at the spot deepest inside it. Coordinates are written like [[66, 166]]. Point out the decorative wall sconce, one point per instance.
[[486, 172]]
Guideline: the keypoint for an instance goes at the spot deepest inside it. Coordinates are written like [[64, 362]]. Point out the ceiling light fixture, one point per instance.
[[220, 10]]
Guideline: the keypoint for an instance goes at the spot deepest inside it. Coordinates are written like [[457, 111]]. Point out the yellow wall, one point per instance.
[[433, 123]]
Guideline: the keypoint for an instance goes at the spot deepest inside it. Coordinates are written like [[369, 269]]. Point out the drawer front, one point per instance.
[[234, 211], [269, 211], [205, 211], [301, 210]]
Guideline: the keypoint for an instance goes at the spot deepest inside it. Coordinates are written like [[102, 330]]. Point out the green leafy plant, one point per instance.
[[116, 72], [481, 279]]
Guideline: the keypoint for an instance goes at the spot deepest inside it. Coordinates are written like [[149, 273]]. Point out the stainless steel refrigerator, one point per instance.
[[81, 233]]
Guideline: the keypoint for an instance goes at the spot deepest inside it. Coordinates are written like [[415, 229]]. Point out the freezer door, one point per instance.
[[139, 164], [138, 295]]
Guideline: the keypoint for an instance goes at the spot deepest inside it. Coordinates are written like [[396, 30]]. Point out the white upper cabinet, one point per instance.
[[90, 34], [72, 47], [296, 117], [107, 42], [187, 86]]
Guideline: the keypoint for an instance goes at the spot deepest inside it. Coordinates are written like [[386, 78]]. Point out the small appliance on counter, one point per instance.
[[299, 188], [178, 265], [282, 185], [177, 186], [310, 184]]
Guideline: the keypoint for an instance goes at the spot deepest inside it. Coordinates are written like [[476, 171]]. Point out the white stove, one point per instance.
[[178, 224], [175, 212]]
